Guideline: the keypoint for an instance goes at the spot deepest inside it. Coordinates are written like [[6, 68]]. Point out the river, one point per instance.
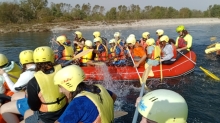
[[200, 92]]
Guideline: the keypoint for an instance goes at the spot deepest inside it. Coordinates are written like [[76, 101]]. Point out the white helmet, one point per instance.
[[88, 43], [160, 32], [163, 106], [117, 34], [150, 41], [132, 35], [131, 40], [145, 34], [112, 41]]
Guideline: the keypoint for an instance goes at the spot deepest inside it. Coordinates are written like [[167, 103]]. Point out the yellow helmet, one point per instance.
[[69, 77], [160, 32], [132, 35], [61, 39], [97, 39], [88, 43], [43, 54], [163, 106], [26, 56], [150, 41], [96, 34], [79, 34], [180, 28], [131, 40], [112, 41], [117, 34], [145, 34], [164, 38], [3, 60]]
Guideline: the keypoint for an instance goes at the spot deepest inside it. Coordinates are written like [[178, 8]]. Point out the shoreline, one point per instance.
[[74, 25]]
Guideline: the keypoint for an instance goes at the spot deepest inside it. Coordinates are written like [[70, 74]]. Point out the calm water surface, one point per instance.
[[201, 92]]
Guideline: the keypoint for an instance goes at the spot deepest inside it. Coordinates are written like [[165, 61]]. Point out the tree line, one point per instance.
[[26, 11]]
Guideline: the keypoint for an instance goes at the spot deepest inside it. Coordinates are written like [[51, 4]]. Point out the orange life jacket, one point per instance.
[[67, 53], [174, 50], [102, 56]]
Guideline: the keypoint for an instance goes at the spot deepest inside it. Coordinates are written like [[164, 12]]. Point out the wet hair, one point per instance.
[[84, 87], [44, 66], [185, 32], [24, 66]]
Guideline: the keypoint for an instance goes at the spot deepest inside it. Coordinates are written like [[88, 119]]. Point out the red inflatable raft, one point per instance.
[[181, 67]]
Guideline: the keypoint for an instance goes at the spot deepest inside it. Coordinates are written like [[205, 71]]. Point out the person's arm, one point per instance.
[[141, 53], [60, 52], [33, 90], [189, 41], [113, 95]]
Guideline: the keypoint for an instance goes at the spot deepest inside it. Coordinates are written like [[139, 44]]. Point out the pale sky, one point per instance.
[[177, 4]]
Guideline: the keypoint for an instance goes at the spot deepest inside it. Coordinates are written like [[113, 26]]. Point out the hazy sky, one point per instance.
[[192, 4]]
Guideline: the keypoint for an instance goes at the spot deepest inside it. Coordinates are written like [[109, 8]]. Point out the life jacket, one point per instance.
[[174, 50], [137, 58], [158, 42], [67, 52], [121, 55], [14, 74], [181, 42], [156, 53], [86, 57], [80, 41], [143, 43], [50, 96], [105, 108], [102, 56]]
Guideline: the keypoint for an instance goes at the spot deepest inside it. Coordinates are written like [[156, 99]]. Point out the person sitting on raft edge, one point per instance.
[[87, 103], [162, 106], [183, 41]]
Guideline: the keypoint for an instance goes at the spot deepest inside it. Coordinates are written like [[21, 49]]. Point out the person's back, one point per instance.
[[47, 103]]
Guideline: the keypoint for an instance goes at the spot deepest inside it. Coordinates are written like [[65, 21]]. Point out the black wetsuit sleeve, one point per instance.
[[32, 91]]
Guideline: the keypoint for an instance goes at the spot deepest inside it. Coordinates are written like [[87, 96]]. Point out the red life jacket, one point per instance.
[[181, 42], [174, 50], [102, 56], [121, 55]]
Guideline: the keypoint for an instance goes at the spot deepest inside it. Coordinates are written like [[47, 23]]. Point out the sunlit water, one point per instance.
[[201, 92]]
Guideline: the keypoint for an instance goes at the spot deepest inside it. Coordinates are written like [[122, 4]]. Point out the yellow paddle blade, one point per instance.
[[208, 73], [82, 53]]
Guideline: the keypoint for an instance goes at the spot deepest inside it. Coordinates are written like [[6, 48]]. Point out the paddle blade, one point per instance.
[[84, 52], [118, 114], [208, 73]]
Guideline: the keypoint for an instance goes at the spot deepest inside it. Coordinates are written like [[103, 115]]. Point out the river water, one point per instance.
[[200, 92]]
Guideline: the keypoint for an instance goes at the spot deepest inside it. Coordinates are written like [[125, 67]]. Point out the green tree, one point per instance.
[[111, 14]]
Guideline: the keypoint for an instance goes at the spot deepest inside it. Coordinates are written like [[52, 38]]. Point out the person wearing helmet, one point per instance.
[[137, 51], [101, 52], [153, 53], [65, 50], [44, 97], [13, 71], [167, 56], [79, 41], [145, 36], [20, 106], [117, 56], [87, 103], [183, 41], [117, 37], [159, 34], [98, 34], [162, 106], [89, 56]]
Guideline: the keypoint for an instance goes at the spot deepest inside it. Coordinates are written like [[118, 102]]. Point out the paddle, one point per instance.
[[161, 70], [118, 114], [213, 38], [84, 52], [187, 57]]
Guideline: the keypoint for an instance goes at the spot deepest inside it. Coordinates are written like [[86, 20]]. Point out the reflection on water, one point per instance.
[[201, 92]]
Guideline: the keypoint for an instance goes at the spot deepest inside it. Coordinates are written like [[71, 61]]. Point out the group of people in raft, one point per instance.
[[56, 93]]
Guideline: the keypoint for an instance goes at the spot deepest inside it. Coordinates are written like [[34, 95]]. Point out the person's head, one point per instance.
[[61, 39], [131, 41], [163, 106], [78, 35], [43, 58], [112, 42], [145, 36], [26, 57], [164, 40], [88, 44], [150, 41], [3, 60], [159, 32], [97, 40], [96, 34], [117, 36], [181, 30], [68, 79]]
